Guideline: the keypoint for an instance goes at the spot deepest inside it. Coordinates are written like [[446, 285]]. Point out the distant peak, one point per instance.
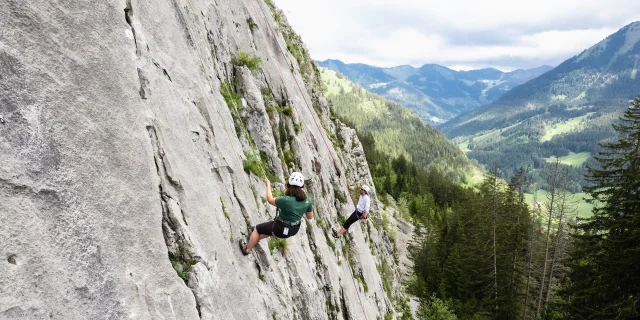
[[404, 66], [331, 61], [431, 66], [634, 24]]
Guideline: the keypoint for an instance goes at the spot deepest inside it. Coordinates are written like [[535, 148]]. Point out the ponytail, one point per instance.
[[296, 192]]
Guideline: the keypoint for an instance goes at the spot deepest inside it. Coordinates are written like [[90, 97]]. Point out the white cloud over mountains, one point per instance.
[[462, 34]]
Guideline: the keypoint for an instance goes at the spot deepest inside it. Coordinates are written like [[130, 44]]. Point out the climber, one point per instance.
[[361, 212], [290, 209]]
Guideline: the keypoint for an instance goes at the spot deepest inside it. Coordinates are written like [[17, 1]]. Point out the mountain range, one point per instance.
[[436, 93], [563, 113]]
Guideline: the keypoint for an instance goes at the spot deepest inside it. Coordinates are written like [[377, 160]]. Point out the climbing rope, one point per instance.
[[234, 108], [312, 116], [211, 86]]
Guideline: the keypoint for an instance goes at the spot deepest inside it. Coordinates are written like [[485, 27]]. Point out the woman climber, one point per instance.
[[361, 212], [290, 209]]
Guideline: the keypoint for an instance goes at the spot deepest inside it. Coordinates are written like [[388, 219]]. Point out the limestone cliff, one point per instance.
[[132, 134]]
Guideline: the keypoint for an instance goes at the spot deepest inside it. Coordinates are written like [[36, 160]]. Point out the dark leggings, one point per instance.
[[352, 218]]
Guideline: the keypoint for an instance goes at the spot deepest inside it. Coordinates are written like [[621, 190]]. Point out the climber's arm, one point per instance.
[[270, 198]]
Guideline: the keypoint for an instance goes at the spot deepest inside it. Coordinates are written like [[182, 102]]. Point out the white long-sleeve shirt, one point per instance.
[[363, 204]]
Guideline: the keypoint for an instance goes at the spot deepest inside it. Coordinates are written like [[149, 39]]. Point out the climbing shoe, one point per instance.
[[243, 246]]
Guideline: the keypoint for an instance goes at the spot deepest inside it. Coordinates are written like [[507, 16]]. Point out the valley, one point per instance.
[[563, 114], [434, 92]]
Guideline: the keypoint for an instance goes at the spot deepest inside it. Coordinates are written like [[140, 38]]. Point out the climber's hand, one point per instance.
[[266, 181]]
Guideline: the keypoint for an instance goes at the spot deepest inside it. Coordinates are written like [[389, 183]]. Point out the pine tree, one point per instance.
[[484, 239], [604, 280], [531, 248], [492, 187], [515, 229]]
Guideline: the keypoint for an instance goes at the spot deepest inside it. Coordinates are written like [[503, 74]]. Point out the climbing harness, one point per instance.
[[312, 116]]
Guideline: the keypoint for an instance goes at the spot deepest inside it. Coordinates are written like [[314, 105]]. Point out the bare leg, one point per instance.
[[254, 239], [341, 231]]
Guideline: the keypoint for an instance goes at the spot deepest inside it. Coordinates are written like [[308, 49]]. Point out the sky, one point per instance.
[[460, 34]]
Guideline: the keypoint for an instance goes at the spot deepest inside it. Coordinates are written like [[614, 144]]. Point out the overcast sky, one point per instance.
[[461, 34]]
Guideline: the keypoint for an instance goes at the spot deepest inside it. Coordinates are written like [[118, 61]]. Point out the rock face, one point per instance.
[[130, 145]]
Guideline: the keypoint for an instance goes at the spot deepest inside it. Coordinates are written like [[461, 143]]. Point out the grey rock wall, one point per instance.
[[122, 183]]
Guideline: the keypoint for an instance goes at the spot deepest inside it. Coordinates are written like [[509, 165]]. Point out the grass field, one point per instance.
[[573, 159], [563, 127], [576, 108], [464, 146], [583, 208], [483, 139], [333, 83], [580, 96]]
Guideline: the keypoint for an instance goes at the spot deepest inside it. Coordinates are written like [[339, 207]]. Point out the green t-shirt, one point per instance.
[[291, 209]]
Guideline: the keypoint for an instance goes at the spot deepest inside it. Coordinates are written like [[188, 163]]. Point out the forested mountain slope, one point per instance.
[[395, 129]]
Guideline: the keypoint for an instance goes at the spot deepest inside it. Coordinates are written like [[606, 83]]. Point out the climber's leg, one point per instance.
[[253, 240], [261, 231], [353, 218]]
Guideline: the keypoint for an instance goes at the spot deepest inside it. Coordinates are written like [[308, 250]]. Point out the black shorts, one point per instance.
[[355, 216], [276, 228]]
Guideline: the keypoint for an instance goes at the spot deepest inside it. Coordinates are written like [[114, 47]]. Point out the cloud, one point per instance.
[[456, 33]]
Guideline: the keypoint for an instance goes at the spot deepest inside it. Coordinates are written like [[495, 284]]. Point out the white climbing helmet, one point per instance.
[[296, 179], [366, 189]]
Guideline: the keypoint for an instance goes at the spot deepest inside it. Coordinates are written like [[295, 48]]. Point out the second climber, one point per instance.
[[361, 213]]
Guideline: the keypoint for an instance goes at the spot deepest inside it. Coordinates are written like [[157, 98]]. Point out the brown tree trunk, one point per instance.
[[563, 208], [495, 264], [552, 199]]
